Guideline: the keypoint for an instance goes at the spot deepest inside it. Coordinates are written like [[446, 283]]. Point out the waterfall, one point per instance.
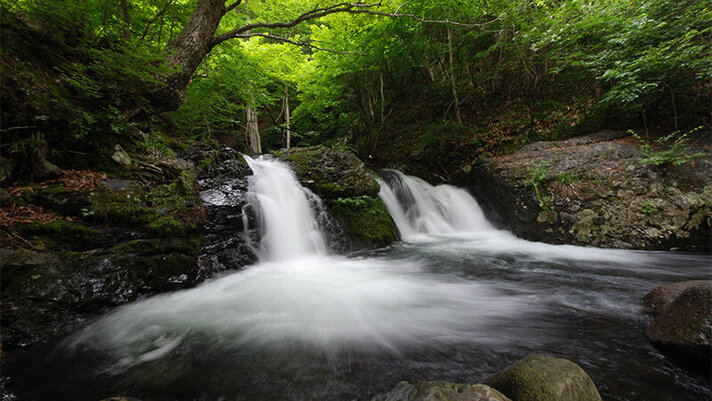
[[419, 208], [288, 222]]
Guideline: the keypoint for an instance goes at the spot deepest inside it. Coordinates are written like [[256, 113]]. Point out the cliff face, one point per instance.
[[595, 190]]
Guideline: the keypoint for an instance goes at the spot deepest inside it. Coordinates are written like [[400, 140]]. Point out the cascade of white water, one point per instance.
[[420, 208], [288, 224]]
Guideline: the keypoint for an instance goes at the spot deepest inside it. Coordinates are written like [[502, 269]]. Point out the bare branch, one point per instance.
[[18, 128], [416, 18], [232, 6], [287, 40], [154, 19], [316, 12]]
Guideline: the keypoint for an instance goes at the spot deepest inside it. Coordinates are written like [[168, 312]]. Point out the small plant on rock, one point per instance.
[[675, 150], [648, 208], [537, 176]]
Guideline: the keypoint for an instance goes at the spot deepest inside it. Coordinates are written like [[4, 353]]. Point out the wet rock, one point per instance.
[[224, 186], [661, 296], [683, 328], [442, 391], [594, 191], [45, 292], [544, 378]]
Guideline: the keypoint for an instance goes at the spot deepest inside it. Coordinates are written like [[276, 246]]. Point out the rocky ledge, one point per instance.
[[601, 190]]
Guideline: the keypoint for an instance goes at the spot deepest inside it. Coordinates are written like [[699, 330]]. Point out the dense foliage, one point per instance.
[[433, 79]]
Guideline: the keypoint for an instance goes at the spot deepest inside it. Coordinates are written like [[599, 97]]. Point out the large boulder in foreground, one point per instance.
[[595, 191], [683, 328], [442, 391], [349, 192], [544, 378]]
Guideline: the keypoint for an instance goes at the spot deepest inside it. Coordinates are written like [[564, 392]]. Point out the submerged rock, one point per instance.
[[442, 391], [544, 378], [683, 328], [593, 190]]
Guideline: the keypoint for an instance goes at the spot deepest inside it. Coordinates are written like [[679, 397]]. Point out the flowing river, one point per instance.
[[456, 300]]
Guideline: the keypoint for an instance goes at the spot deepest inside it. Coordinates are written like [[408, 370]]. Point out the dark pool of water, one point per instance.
[[585, 309]]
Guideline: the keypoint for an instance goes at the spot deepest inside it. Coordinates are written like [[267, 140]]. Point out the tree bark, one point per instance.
[[287, 132], [186, 51], [127, 20], [252, 131], [453, 84]]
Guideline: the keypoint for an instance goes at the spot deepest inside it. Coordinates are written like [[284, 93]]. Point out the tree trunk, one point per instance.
[[127, 20], [287, 132], [453, 84], [252, 131], [186, 51]]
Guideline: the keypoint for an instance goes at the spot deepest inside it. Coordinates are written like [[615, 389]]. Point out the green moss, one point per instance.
[[544, 378], [167, 227], [365, 220], [188, 246], [59, 234]]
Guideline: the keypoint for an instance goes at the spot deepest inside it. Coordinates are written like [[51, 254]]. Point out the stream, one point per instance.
[[455, 300]]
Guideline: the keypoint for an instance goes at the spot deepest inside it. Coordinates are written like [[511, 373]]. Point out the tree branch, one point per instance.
[[415, 18], [232, 6], [287, 40], [154, 19], [316, 12]]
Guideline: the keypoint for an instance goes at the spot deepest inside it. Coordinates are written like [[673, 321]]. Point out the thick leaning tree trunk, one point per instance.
[[187, 51]]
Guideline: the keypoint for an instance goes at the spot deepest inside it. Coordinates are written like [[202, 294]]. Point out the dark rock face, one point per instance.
[[442, 391], [132, 242], [593, 191], [45, 292], [683, 328], [350, 195], [223, 191], [544, 378]]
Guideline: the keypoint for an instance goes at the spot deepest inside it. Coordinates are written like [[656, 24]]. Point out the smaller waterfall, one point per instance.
[[419, 208], [289, 226]]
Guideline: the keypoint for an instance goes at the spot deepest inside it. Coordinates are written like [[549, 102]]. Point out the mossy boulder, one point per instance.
[[330, 173], [684, 327], [544, 378], [442, 391], [365, 221]]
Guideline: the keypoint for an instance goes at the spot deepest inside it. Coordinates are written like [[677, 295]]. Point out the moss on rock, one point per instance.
[[442, 391], [365, 220], [544, 378], [330, 173], [60, 234]]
